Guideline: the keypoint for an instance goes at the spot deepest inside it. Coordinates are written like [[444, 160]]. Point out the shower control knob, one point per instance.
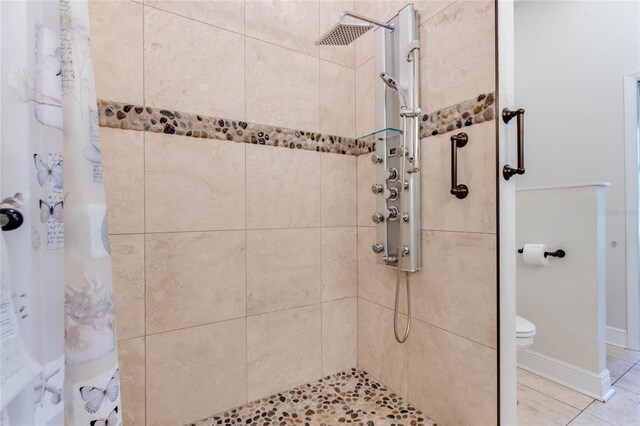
[[375, 159], [391, 193], [377, 248], [377, 218], [391, 213], [377, 188], [391, 174]]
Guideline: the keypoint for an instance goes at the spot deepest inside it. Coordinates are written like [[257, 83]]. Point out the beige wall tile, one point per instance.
[[365, 99], [283, 189], [196, 372], [194, 185], [209, 80], [376, 283], [339, 199], [365, 47], [430, 8], [226, 14], [283, 269], [339, 263], [132, 380], [382, 10], [456, 289], [366, 199], [123, 162], [282, 86], [378, 352], [535, 409], [283, 350], [116, 47], [451, 378], [476, 169], [330, 12], [290, 24], [127, 261], [339, 335], [337, 99], [455, 71], [194, 278]]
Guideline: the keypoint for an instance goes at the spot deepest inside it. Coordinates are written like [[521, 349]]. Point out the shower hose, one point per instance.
[[403, 338]]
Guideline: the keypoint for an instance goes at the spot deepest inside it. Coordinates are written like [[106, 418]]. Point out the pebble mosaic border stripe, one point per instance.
[[464, 114], [134, 117], [349, 397]]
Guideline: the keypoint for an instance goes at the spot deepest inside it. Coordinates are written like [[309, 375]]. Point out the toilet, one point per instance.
[[525, 332]]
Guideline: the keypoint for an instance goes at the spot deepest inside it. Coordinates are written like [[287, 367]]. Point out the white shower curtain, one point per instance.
[[57, 331]]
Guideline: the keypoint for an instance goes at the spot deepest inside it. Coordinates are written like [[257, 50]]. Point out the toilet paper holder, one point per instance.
[[558, 253]]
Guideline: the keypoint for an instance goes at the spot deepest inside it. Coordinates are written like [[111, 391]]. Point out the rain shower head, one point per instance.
[[344, 33]]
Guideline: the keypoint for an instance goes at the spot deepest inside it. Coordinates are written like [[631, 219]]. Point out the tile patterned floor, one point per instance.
[[542, 402], [349, 397]]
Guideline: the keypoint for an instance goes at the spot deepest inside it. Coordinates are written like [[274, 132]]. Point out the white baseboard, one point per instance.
[[617, 336], [595, 385]]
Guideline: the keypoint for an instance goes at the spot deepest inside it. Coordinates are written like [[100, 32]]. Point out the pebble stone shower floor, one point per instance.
[[349, 397]]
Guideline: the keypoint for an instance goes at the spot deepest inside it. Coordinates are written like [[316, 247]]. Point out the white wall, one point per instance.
[[565, 298], [570, 61]]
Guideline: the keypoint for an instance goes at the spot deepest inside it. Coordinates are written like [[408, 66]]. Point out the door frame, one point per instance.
[[632, 218], [506, 213]]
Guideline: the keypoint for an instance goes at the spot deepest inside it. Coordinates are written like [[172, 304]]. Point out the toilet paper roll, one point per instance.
[[533, 254]]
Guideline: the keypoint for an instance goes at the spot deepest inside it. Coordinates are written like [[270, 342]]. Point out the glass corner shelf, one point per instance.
[[384, 134]]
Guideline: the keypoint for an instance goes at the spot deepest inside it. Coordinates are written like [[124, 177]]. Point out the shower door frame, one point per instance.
[[506, 214], [632, 216]]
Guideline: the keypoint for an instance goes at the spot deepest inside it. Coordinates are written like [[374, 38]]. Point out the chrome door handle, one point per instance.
[[10, 219], [459, 190], [507, 115]]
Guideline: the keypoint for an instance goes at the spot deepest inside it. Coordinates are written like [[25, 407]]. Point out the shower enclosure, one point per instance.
[[265, 296]]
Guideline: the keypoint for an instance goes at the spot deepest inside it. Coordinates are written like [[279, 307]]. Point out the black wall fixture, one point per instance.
[[10, 219], [457, 141], [507, 115]]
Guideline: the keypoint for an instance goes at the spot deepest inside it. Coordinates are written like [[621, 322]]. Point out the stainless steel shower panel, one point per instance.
[[391, 50]]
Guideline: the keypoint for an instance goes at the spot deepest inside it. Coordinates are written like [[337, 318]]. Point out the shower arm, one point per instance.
[[365, 19]]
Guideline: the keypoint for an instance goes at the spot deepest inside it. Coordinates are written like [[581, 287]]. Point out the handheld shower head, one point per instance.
[[389, 81], [393, 84]]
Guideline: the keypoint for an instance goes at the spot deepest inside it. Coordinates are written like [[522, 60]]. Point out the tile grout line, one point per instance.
[[246, 242], [237, 230], [241, 317], [290, 228], [321, 209], [144, 210]]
